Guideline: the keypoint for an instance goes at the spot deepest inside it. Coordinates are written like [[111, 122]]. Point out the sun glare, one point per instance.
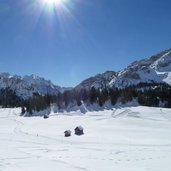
[[54, 2]]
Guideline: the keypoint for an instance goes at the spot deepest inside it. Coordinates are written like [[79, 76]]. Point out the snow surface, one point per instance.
[[122, 139]]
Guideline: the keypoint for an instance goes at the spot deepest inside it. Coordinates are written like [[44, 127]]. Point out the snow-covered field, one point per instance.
[[125, 139]]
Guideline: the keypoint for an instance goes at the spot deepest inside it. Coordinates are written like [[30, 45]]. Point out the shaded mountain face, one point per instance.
[[98, 81], [157, 69], [26, 86]]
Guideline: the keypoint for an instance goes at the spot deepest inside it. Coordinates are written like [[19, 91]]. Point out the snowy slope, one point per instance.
[[27, 85], [123, 139]]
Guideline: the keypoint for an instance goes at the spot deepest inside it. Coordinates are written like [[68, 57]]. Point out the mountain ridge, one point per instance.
[[156, 68], [26, 86]]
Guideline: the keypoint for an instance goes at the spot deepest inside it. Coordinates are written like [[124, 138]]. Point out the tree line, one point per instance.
[[146, 94]]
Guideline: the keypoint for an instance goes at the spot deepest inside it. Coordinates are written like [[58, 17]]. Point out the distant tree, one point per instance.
[[93, 95], [113, 94], [103, 96], [23, 110]]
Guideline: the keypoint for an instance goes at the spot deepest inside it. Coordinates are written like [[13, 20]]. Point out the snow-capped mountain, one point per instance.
[[98, 81], [154, 69], [26, 86], [157, 69]]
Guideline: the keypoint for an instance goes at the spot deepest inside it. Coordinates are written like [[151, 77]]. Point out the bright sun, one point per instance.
[[54, 2], [60, 6]]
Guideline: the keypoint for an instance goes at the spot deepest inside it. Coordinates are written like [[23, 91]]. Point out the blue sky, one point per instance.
[[80, 38]]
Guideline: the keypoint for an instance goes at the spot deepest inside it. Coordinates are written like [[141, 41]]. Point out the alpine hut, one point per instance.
[[67, 133], [79, 130], [45, 116]]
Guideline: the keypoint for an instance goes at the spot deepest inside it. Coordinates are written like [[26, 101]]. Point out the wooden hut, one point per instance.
[[67, 133], [79, 130], [46, 116]]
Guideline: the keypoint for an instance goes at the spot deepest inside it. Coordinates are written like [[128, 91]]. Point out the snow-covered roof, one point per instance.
[[79, 127], [69, 131]]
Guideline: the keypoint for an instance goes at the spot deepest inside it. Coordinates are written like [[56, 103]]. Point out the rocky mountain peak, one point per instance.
[[26, 86]]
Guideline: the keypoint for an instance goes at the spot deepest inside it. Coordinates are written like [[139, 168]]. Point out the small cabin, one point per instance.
[[79, 130], [67, 133], [45, 116]]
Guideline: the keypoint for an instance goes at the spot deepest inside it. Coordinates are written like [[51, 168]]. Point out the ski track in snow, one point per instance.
[[126, 139]]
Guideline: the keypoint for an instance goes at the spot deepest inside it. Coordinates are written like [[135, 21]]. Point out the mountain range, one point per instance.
[[156, 68], [26, 86]]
